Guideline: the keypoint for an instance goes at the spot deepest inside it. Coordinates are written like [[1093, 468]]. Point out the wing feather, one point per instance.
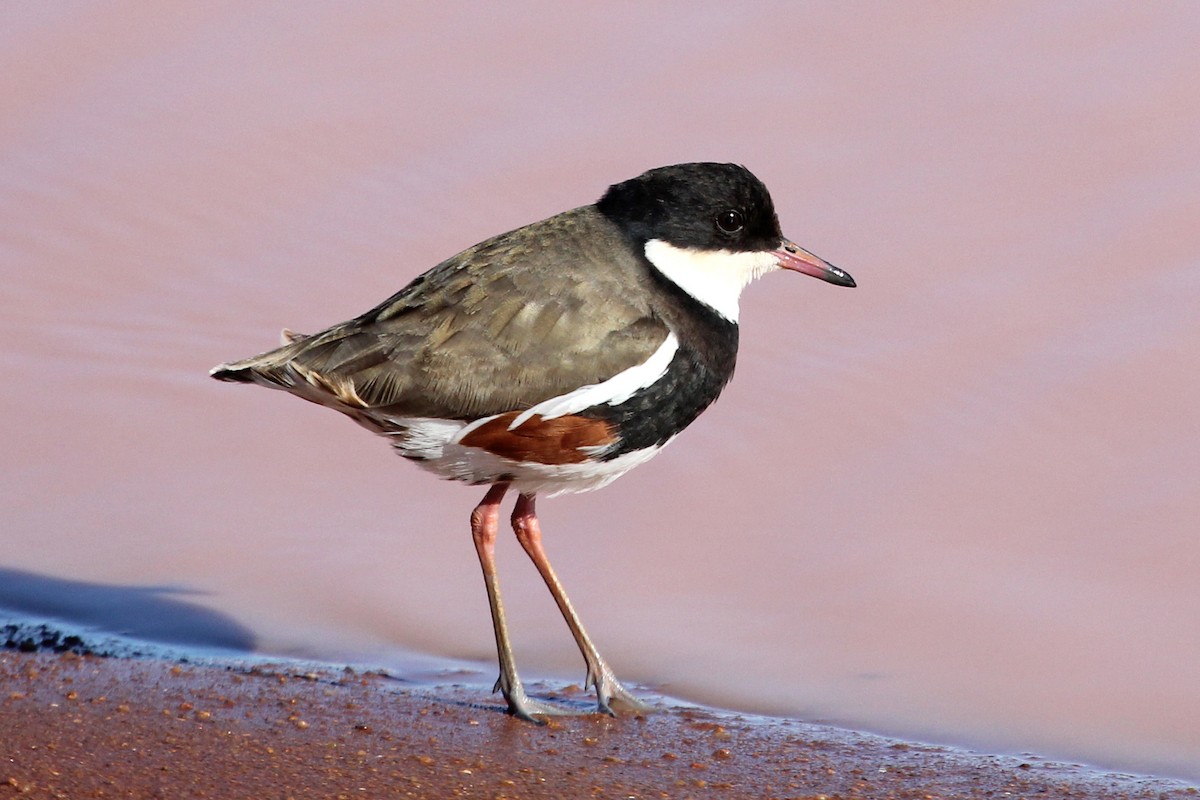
[[511, 322]]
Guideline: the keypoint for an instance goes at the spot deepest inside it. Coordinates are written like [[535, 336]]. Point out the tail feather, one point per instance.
[[287, 336], [263, 368], [232, 373]]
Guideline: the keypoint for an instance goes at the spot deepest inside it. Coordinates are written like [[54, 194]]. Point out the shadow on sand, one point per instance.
[[148, 613]]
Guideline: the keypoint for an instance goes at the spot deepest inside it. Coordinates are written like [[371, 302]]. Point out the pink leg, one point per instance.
[[529, 534], [485, 522]]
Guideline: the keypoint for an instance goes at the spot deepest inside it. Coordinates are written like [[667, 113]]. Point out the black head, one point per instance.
[[704, 206]]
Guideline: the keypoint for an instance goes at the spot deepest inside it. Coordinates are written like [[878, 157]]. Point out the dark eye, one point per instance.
[[730, 221]]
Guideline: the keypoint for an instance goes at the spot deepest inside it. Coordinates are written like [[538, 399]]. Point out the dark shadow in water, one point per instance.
[[149, 613]]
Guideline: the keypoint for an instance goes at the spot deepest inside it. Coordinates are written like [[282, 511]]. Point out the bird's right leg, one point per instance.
[[485, 522], [599, 674]]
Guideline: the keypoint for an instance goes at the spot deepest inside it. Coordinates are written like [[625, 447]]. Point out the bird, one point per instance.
[[553, 359]]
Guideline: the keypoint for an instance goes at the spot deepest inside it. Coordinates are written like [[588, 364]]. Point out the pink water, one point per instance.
[[957, 503]]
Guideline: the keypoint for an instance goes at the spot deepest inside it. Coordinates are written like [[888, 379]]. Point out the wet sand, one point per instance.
[[87, 726]]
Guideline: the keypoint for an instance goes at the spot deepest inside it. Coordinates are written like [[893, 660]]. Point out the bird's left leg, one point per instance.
[[599, 674], [484, 524]]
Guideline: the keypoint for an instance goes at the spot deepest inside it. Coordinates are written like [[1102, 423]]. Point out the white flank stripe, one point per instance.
[[714, 277], [614, 391]]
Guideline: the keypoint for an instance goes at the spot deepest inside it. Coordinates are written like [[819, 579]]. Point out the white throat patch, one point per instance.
[[714, 277]]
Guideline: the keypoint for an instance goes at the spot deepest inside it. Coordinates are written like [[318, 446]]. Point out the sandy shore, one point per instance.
[[83, 726]]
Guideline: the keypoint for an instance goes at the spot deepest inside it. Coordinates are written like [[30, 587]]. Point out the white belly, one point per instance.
[[434, 444]]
